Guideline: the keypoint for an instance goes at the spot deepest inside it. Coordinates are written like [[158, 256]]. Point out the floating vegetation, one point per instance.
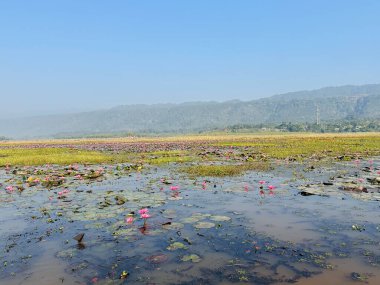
[[176, 245], [191, 257], [220, 218], [204, 225]]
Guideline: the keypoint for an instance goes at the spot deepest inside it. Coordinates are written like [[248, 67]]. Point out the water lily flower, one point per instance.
[[271, 187], [129, 220], [78, 176], [9, 188], [174, 188], [145, 216], [143, 211], [262, 182], [246, 188], [60, 193]]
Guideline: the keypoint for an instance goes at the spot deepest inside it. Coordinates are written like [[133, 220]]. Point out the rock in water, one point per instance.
[[79, 237]]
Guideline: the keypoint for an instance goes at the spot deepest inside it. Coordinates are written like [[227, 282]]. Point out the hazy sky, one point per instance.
[[81, 55]]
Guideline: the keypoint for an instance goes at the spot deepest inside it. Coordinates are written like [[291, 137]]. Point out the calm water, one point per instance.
[[222, 231]]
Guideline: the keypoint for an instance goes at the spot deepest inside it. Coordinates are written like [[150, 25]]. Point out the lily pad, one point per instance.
[[204, 225], [173, 226], [220, 218], [157, 258], [176, 245], [169, 213], [195, 218], [191, 257], [125, 232]]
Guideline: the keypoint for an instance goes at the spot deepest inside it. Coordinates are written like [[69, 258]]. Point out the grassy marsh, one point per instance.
[[61, 156], [183, 149]]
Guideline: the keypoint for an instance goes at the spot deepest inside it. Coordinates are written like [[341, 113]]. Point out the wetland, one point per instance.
[[254, 209]]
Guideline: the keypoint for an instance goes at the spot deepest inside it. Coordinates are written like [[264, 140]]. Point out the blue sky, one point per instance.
[[59, 56]]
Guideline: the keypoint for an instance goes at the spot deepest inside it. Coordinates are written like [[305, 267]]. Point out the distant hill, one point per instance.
[[335, 103]]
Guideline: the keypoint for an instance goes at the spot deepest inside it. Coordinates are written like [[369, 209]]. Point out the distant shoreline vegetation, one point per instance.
[[347, 126]]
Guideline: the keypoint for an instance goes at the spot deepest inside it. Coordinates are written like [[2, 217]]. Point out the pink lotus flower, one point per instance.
[[60, 193], [145, 216], [129, 220], [271, 187], [262, 182], [9, 188], [143, 211], [174, 188]]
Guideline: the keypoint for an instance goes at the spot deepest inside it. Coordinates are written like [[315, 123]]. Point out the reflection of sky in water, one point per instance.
[[271, 238]]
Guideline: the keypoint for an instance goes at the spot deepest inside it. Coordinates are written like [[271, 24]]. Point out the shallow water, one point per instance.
[[226, 230]]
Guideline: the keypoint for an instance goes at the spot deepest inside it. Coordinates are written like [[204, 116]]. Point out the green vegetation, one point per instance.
[[305, 146], [169, 159], [245, 150], [342, 126], [41, 156]]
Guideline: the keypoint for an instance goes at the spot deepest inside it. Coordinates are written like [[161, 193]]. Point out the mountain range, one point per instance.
[[334, 103]]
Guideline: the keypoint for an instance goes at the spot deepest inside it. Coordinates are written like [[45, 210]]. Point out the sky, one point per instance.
[[77, 55]]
